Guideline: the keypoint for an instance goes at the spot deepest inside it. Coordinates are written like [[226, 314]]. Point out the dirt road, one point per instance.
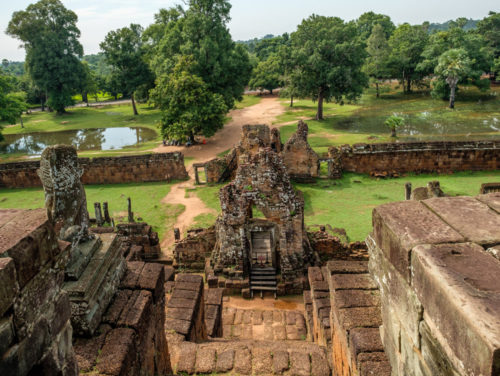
[[265, 112]]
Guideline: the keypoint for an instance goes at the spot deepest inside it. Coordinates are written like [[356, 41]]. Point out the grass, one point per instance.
[[87, 118], [476, 116], [101, 97], [348, 202], [248, 100], [146, 202]]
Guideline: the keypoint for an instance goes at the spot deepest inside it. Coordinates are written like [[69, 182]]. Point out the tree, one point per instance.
[[328, 56], [124, 51], [368, 20], [489, 29], [88, 83], [188, 106], [267, 75], [454, 65], [49, 34], [378, 52], [12, 104], [394, 122], [452, 39], [201, 31], [407, 44]]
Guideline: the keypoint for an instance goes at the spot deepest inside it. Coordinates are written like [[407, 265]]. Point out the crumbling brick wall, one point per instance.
[[300, 159], [103, 170], [190, 253], [35, 328], [437, 156], [439, 287]]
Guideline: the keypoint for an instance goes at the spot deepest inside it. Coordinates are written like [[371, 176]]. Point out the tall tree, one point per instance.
[[489, 28], [407, 44], [267, 75], [328, 55], [456, 38], [201, 31], [124, 51], [378, 52], [188, 107], [454, 65], [368, 20], [49, 35], [12, 104]]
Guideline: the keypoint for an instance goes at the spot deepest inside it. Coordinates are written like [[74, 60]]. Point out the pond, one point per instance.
[[82, 139]]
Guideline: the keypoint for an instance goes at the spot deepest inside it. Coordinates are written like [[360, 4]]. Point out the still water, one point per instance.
[[82, 139]]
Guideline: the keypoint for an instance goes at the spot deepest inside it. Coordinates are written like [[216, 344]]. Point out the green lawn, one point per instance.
[[86, 118], [146, 202], [101, 97], [348, 203], [248, 100], [477, 116]]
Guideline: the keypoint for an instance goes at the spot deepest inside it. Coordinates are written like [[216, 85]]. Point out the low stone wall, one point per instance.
[[191, 252], [103, 170], [35, 327], [417, 157], [439, 287]]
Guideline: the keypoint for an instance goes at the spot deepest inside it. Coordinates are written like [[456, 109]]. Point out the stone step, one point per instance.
[[262, 283], [250, 357], [263, 288], [80, 258], [264, 277], [267, 271]]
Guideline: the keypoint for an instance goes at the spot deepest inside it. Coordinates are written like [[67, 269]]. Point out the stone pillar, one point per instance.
[[98, 214], [408, 191], [107, 218], [130, 212], [177, 234]]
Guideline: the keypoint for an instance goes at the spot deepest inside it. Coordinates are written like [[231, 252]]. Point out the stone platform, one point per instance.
[[439, 281]]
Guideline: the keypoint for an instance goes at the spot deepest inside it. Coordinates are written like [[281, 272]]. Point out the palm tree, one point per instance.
[[394, 122], [453, 65]]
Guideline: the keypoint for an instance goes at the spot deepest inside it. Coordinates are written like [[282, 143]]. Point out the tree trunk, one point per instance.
[[133, 104], [291, 100], [85, 98], [42, 102], [319, 114], [408, 84], [271, 91], [452, 96], [22, 124], [393, 132], [376, 85]]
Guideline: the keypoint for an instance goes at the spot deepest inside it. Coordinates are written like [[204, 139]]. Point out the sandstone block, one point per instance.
[[463, 213], [300, 364], [352, 282], [8, 284], [280, 361], [347, 267], [262, 361], [225, 361], [205, 360], [458, 287], [243, 362], [400, 226], [492, 200]]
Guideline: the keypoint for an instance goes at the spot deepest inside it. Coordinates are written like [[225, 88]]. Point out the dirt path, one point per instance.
[[265, 112]]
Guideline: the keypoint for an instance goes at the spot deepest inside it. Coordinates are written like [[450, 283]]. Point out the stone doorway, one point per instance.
[[262, 252]]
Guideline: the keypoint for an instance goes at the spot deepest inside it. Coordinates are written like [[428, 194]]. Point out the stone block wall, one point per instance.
[[439, 286], [190, 253], [438, 157], [35, 327], [131, 337], [213, 311], [103, 170]]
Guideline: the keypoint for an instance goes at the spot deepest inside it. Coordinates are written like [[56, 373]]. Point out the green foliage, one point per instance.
[[12, 104], [453, 66], [407, 44], [394, 121], [201, 32], [50, 36], [267, 75], [378, 51], [188, 106], [267, 47], [328, 55], [367, 21], [489, 28], [124, 51]]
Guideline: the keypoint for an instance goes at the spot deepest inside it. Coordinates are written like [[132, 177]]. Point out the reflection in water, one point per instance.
[[82, 139]]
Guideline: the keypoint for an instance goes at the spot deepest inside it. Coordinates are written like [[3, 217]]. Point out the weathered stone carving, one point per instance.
[[261, 182], [65, 199]]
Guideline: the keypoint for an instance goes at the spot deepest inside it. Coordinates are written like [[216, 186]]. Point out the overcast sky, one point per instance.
[[250, 18]]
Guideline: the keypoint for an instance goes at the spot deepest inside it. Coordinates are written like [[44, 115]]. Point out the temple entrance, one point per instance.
[[261, 249], [263, 269]]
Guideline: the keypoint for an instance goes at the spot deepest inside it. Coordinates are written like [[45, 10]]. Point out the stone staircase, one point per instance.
[[263, 279], [249, 357]]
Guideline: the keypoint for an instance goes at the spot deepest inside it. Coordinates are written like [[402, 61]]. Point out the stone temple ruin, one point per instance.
[[262, 248], [419, 298]]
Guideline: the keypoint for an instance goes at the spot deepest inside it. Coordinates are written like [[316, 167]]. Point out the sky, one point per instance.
[[250, 18]]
